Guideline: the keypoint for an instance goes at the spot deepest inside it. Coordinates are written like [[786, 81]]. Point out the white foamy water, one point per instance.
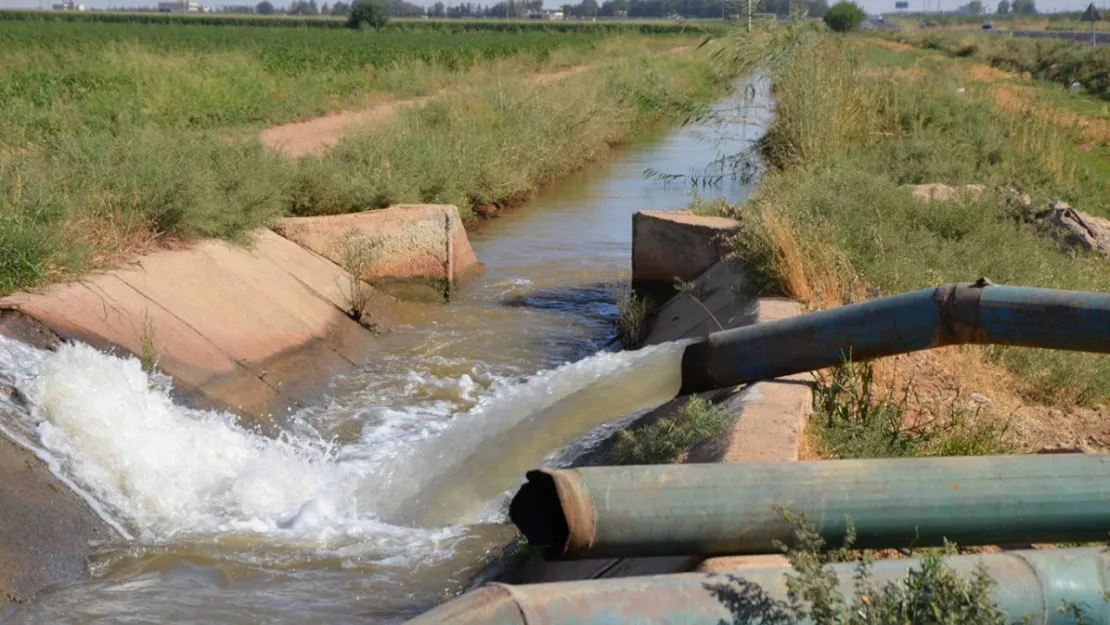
[[164, 470]]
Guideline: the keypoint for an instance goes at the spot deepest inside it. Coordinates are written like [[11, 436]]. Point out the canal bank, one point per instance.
[[346, 515]]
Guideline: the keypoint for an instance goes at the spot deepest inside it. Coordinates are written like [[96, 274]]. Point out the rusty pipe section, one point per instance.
[[1031, 588], [737, 509], [946, 315]]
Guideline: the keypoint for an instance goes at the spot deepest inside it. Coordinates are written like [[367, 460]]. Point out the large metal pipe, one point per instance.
[[946, 315], [735, 509], [1031, 587]]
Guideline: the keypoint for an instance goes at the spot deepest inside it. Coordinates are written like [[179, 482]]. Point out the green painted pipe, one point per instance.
[[950, 314], [735, 509], [1031, 588]]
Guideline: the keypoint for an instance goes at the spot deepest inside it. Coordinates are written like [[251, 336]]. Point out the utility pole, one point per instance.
[[750, 15]]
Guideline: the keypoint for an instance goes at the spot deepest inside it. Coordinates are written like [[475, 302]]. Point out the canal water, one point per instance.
[[391, 496]]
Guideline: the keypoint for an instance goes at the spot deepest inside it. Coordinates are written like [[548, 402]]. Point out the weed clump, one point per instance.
[[857, 417], [357, 254], [631, 317], [820, 590], [665, 440]]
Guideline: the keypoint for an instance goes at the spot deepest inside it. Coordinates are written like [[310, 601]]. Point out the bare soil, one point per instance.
[[313, 136]]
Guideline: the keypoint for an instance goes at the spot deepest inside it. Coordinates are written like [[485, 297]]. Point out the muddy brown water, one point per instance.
[[390, 497]]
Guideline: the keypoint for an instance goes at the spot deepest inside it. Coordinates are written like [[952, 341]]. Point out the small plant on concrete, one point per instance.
[[930, 594], [668, 438], [631, 315], [357, 254], [149, 352], [858, 417]]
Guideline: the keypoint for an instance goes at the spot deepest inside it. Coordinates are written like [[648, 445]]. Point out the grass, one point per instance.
[[668, 438], [357, 254], [1059, 60], [149, 351], [834, 220], [857, 416], [60, 77], [123, 143], [631, 315]]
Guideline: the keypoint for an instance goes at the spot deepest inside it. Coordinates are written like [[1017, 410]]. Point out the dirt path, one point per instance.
[[313, 136]]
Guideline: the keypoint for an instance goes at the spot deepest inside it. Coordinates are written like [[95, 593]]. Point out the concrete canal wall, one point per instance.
[[256, 330]]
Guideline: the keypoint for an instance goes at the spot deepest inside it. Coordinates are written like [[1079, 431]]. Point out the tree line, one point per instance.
[[584, 9]]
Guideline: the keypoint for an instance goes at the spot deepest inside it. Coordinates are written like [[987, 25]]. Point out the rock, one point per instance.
[[940, 192], [1061, 448], [979, 400], [1076, 229], [1017, 199]]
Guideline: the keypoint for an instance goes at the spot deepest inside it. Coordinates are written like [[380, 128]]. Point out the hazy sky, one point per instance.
[[872, 6]]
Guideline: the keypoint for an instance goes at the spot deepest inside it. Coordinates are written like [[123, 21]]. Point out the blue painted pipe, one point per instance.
[[951, 314]]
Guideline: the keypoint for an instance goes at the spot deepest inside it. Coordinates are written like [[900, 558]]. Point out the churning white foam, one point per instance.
[[165, 470]]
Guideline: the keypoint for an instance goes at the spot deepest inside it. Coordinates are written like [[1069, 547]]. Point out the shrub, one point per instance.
[[668, 438], [844, 17], [367, 14]]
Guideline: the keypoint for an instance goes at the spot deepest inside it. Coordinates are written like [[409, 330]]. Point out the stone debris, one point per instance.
[[940, 192], [1076, 229]]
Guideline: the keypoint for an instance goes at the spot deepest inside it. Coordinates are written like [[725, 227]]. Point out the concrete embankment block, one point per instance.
[[407, 245], [253, 329], [676, 245]]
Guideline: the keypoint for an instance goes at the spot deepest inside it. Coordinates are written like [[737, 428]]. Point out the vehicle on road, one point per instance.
[[987, 26]]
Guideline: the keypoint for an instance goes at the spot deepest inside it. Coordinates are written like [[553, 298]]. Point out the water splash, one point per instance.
[[169, 471]]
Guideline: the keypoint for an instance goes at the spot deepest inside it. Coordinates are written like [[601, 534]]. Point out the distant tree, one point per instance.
[[367, 14], [340, 8], [844, 16], [325, 9], [437, 10], [975, 7], [818, 8], [265, 8], [1024, 7], [1003, 7], [588, 8]]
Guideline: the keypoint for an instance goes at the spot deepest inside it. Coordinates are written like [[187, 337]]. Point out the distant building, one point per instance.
[[555, 15], [68, 6], [179, 6]]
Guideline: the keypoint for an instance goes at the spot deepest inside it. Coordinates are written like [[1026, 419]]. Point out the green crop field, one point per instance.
[[61, 76]]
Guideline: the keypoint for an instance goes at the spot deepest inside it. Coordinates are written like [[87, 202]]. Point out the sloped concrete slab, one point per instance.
[[676, 245]]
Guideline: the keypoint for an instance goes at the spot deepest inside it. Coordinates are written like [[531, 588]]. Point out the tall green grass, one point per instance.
[[64, 78], [834, 219], [496, 145], [74, 201]]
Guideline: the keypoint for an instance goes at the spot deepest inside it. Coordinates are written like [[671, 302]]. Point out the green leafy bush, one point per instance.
[[844, 17], [367, 14]]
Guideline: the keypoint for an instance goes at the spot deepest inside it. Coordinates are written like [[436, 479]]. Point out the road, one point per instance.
[[1078, 35]]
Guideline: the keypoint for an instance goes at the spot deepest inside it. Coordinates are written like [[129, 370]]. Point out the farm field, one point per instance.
[[116, 137]]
